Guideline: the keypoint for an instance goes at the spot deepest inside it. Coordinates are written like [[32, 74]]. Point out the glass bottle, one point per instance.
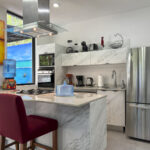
[[102, 42]]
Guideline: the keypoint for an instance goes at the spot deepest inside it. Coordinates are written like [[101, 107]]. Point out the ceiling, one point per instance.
[[78, 10]]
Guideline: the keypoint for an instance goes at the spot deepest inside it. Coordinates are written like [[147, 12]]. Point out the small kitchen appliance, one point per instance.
[[93, 47], [84, 46], [9, 72], [100, 81], [69, 49], [89, 81], [80, 81], [64, 90], [69, 79]]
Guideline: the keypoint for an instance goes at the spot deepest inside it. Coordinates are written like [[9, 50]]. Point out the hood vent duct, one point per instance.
[[36, 20]]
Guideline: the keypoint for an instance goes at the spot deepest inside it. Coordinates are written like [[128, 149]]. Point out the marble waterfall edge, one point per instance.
[[80, 128]]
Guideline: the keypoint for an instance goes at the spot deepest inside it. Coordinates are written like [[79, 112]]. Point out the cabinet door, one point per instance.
[[67, 60], [80, 59], [112, 56], [115, 107], [76, 59]]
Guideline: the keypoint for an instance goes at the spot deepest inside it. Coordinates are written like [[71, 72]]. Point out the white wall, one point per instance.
[[133, 25], [104, 70], [2, 17]]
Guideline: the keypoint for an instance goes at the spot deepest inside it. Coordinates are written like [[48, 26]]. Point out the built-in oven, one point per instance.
[[46, 78]]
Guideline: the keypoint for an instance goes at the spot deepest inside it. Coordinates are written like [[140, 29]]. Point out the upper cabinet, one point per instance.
[[76, 59], [110, 56]]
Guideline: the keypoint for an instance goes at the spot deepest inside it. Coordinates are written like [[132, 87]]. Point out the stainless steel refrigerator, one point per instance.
[[138, 94]]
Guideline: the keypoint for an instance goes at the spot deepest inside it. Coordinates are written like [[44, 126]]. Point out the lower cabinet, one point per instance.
[[115, 107]]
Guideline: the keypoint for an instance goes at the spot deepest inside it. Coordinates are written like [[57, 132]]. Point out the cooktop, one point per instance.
[[35, 91]]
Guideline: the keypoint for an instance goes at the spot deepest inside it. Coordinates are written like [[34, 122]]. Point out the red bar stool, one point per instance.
[[16, 125]]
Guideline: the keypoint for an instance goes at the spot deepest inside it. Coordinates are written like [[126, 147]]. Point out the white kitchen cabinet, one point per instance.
[[67, 60], [111, 56], [115, 107], [76, 59]]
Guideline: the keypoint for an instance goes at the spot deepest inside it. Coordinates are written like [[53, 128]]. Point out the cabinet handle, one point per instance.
[[139, 106]]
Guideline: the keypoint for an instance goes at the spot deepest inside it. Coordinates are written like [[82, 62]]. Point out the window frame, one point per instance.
[[33, 52]]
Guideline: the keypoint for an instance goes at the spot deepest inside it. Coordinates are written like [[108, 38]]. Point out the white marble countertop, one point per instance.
[[79, 99]]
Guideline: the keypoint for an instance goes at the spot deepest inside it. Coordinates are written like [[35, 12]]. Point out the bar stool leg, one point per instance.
[[17, 146], [2, 142], [54, 133], [32, 145], [23, 146]]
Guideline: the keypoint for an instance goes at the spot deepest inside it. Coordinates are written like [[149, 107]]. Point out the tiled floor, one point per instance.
[[118, 141]]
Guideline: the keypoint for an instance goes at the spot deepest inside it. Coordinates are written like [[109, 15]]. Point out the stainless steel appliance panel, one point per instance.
[[132, 76], [138, 121], [30, 15], [144, 75], [36, 10]]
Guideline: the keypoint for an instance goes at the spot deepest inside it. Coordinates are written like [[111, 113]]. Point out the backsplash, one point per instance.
[[104, 70]]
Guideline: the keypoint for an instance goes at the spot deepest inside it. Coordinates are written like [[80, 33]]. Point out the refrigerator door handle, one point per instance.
[[140, 106], [128, 73]]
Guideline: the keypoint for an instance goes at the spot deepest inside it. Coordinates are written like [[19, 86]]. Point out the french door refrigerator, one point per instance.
[[138, 94]]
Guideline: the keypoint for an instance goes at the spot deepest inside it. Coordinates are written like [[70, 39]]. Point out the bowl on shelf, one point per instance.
[[117, 42], [116, 45]]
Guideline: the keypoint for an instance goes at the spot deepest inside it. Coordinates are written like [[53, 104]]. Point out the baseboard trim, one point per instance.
[[116, 128]]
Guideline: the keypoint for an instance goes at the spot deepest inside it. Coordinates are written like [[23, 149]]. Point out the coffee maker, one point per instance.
[[69, 79], [80, 81]]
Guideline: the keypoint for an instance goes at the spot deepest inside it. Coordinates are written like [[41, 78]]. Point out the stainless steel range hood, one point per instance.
[[36, 19]]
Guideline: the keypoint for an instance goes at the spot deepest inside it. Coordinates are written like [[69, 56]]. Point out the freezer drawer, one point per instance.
[[138, 121]]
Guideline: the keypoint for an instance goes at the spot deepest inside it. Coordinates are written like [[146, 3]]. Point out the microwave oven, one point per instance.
[[46, 60]]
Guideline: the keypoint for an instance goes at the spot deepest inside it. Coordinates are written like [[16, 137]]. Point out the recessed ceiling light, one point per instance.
[[56, 5]]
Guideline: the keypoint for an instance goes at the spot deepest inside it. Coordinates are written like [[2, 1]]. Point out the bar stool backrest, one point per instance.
[[13, 118]]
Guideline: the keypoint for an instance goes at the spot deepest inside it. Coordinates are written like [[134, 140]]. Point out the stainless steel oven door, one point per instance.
[[44, 78]]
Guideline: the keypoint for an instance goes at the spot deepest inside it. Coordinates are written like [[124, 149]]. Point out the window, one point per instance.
[[22, 50]]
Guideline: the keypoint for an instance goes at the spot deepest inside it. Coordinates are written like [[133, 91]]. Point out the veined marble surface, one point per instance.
[[80, 128], [79, 99]]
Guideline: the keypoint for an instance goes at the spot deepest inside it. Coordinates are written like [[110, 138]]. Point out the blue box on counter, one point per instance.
[[64, 90]]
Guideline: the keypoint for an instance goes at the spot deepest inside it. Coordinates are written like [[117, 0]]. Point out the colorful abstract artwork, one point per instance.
[[2, 41]]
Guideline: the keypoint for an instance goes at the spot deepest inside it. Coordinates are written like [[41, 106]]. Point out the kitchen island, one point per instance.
[[82, 119]]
